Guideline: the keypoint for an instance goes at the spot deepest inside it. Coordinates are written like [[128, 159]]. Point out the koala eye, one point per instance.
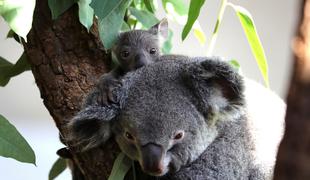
[[124, 54], [153, 51], [129, 136], [179, 135]]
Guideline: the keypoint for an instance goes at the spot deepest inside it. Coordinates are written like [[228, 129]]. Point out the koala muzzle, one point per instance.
[[152, 155], [140, 60]]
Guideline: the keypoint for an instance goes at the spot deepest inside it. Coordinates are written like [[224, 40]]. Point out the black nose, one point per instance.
[[140, 60], [152, 155], [139, 64]]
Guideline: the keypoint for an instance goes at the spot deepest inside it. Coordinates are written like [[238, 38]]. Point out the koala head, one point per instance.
[[168, 112], [136, 48]]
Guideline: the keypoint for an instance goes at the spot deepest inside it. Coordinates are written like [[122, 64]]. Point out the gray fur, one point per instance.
[[142, 46], [202, 97], [138, 44]]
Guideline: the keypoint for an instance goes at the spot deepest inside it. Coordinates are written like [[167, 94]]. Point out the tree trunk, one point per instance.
[[293, 161], [66, 61]]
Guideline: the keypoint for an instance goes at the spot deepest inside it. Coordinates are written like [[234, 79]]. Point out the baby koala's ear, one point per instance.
[[160, 28]]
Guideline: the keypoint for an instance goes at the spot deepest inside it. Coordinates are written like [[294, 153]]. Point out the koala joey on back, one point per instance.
[[133, 49], [182, 119]]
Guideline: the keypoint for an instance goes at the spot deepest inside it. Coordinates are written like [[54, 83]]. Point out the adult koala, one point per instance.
[[180, 119]]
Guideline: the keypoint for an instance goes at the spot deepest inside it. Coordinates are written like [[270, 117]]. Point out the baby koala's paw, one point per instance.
[[105, 88]]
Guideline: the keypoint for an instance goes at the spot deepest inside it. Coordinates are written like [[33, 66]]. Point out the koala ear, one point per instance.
[[217, 86], [160, 28], [91, 126]]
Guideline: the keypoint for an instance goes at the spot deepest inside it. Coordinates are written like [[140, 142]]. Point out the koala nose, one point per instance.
[[140, 61], [152, 155]]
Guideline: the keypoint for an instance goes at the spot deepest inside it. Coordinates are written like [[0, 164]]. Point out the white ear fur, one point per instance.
[[161, 28]]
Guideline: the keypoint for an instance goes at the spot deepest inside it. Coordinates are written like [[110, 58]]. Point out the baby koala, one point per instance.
[[133, 49]]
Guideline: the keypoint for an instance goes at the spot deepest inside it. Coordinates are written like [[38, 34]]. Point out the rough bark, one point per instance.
[[293, 160], [66, 61]]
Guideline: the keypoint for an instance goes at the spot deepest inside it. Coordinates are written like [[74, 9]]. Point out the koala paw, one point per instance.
[[106, 88]]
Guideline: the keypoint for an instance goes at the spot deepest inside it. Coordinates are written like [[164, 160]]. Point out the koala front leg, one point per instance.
[[105, 88], [102, 94]]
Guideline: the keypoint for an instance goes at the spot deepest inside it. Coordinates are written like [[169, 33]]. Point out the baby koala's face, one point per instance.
[[136, 48]]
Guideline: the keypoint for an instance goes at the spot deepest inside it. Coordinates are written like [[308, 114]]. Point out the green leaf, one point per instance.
[[8, 70], [86, 13], [146, 18], [234, 63], [4, 63], [103, 8], [193, 13], [110, 26], [59, 6], [150, 5], [120, 168], [5, 67], [137, 2], [199, 34], [13, 144], [58, 167], [12, 34], [125, 27], [178, 11], [18, 14], [132, 22], [216, 27], [167, 46], [253, 39], [175, 6]]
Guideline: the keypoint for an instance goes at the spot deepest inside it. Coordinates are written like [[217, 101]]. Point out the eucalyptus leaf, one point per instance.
[[5, 67], [253, 39], [4, 63], [18, 14], [8, 70], [103, 8], [132, 23], [58, 7], [235, 64], [12, 34], [199, 34], [216, 27], [125, 27], [58, 167], [178, 6], [178, 11], [121, 166], [110, 26], [13, 144], [193, 13], [150, 5], [86, 13], [136, 2], [146, 18], [167, 46]]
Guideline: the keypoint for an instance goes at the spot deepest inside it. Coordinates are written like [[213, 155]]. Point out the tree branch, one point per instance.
[[66, 62], [293, 161]]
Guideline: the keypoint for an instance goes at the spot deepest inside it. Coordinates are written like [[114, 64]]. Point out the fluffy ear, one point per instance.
[[91, 126], [217, 86], [160, 28]]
